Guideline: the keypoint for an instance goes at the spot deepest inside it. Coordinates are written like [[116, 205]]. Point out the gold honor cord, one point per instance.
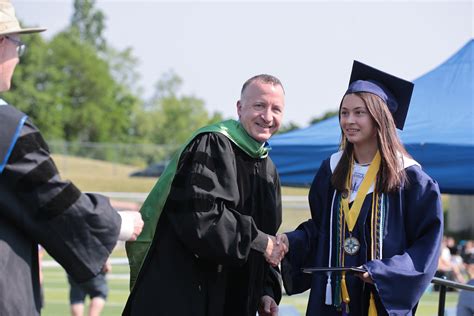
[[352, 214], [351, 244]]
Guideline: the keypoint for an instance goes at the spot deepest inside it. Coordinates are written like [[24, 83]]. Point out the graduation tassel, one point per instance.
[[344, 292], [372, 307], [328, 291]]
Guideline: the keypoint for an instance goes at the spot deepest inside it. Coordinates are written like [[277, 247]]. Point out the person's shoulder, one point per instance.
[[325, 168], [7, 109], [412, 168], [211, 138], [10, 115], [333, 160], [416, 172], [209, 142], [417, 178], [10, 112]]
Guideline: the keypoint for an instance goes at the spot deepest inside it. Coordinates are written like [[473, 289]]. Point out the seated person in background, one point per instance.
[[447, 267], [467, 251], [456, 259], [465, 305]]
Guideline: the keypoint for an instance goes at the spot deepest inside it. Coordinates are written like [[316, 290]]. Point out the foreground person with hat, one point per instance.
[[374, 238], [36, 206]]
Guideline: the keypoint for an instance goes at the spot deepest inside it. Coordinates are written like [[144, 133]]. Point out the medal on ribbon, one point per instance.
[[351, 214], [351, 245]]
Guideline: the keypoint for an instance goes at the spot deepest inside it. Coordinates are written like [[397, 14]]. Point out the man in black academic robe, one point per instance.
[[36, 206], [208, 252]]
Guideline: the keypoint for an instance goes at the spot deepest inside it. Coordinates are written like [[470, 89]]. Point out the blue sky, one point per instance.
[[214, 46]]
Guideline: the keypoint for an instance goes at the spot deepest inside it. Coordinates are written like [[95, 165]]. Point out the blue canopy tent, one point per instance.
[[438, 133]]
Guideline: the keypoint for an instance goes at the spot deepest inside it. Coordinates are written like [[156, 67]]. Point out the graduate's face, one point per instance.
[[356, 122], [260, 109], [8, 61]]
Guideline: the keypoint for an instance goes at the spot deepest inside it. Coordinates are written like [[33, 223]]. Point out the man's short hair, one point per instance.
[[264, 78]]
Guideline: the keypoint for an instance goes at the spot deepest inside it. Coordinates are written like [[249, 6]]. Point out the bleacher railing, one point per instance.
[[443, 285]]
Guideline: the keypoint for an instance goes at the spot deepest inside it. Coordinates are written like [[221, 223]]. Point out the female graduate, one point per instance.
[[372, 207]]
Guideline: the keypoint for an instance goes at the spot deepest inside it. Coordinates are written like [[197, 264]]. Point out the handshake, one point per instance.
[[277, 248]]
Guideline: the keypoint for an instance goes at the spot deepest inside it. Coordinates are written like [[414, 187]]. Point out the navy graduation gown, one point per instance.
[[411, 239]]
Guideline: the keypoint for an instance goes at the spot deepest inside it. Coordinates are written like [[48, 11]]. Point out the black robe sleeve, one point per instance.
[[204, 196], [78, 230]]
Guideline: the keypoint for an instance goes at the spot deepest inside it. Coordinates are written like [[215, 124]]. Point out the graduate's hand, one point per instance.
[[365, 277], [282, 238], [275, 251], [268, 306]]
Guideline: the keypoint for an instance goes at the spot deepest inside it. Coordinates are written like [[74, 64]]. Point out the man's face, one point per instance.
[[8, 61], [260, 109]]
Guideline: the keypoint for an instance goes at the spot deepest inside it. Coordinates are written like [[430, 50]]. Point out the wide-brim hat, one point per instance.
[[394, 91], [9, 23]]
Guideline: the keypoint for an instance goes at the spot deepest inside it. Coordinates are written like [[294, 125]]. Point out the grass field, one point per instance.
[[91, 175], [56, 293]]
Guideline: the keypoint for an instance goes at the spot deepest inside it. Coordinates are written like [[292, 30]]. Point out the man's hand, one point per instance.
[[107, 266], [268, 306], [275, 251], [282, 238], [137, 225], [132, 225]]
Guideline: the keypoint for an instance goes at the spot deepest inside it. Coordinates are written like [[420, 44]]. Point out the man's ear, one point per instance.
[[239, 107]]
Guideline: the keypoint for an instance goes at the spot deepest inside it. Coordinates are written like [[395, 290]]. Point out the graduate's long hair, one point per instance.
[[392, 174]]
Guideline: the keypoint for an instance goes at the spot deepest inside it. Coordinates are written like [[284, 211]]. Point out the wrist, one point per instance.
[[127, 226], [260, 243]]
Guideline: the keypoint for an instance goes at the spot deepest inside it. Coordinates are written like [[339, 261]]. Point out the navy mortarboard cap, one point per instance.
[[395, 92]]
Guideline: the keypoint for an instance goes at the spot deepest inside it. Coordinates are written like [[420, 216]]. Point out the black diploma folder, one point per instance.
[[348, 270]]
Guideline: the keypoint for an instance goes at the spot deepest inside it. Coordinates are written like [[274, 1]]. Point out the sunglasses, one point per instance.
[[20, 46]]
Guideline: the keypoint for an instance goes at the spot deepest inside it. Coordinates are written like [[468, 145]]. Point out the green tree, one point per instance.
[[89, 22], [71, 89], [77, 88], [288, 127], [123, 67], [323, 117], [31, 88], [170, 118], [85, 90]]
